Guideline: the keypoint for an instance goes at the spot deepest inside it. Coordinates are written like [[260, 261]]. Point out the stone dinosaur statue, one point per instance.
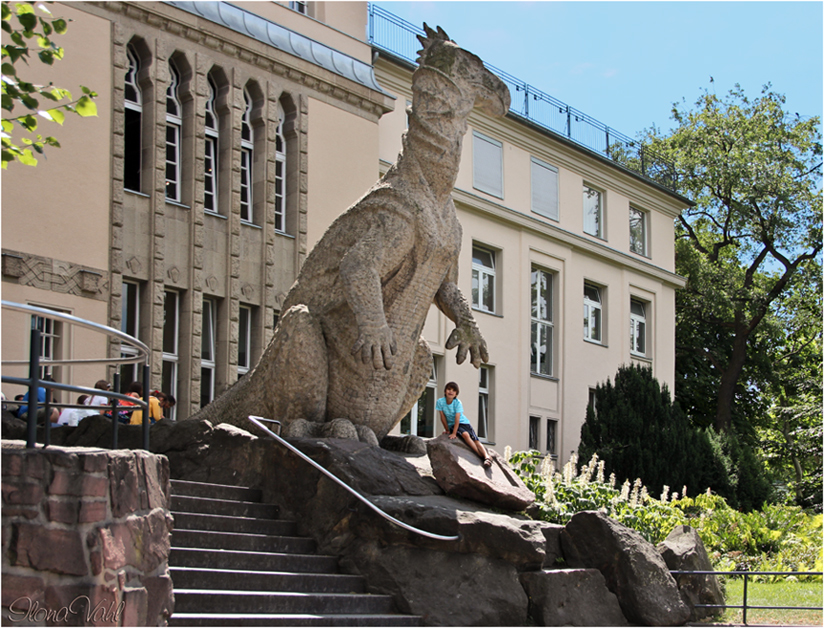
[[349, 344]]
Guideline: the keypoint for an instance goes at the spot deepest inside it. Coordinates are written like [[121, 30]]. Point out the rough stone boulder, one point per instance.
[[683, 550], [633, 569], [459, 471], [571, 597]]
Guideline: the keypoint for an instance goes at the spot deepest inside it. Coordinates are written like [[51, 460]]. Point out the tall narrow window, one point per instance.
[[244, 341], [420, 420], [247, 148], [51, 345], [487, 165], [133, 124], [593, 212], [592, 313], [534, 427], [171, 333], [542, 327], [637, 231], [174, 122], [638, 328], [207, 354], [130, 324], [551, 446], [484, 387], [483, 279], [280, 175], [210, 165], [544, 189]]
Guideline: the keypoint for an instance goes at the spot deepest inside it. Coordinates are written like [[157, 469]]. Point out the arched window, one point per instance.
[[174, 123], [210, 162], [133, 123], [280, 174], [247, 148]]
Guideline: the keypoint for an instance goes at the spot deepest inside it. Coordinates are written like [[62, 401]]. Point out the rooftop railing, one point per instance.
[[389, 33]]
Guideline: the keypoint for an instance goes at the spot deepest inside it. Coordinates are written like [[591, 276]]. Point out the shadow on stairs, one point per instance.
[[234, 563]]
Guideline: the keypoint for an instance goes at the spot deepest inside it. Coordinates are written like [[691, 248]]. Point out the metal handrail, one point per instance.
[[257, 421], [34, 382], [744, 606]]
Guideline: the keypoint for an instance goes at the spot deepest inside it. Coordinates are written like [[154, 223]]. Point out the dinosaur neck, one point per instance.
[[437, 125]]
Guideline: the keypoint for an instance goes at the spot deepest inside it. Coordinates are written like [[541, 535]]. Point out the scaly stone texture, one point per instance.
[[349, 344], [85, 536]]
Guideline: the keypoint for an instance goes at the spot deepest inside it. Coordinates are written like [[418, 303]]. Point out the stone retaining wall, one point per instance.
[[85, 537]]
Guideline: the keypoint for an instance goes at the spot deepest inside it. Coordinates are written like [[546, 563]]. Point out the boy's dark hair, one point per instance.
[[452, 386], [136, 387], [102, 384]]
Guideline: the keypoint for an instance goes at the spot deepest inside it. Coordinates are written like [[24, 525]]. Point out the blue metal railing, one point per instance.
[[389, 33]]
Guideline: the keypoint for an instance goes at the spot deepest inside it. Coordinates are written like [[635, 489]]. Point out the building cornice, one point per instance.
[[297, 58]]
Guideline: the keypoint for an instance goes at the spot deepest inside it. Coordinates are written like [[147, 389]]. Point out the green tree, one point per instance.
[[638, 432], [23, 25], [754, 172]]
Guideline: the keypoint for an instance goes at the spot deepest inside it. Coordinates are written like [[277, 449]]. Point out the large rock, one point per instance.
[[445, 588], [683, 550], [633, 569], [571, 597], [459, 471], [524, 543]]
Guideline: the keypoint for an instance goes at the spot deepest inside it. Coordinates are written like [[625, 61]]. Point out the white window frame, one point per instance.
[[431, 392], [484, 402], [247, 160], [171, 356], [534, 433], [211, 148], [300, 6], [208, 343], [483, 276], [593, 211], [552, 438], [174, 124], [638, 242], [244, 340], [280, 174], [544, 186], [594, 314], [51, 344], [487, 165], [542, 328], [135, 105], [638, 332]]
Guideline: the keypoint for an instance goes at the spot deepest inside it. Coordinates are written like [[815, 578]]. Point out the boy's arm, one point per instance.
[[454, 433], [443, 420]]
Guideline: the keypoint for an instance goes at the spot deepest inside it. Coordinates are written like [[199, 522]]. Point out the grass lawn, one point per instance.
[[782, 593]]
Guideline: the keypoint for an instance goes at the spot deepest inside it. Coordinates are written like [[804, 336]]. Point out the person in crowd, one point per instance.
[[456, 424], [155, 411], [23, 410], [100, 400], [72, 416]]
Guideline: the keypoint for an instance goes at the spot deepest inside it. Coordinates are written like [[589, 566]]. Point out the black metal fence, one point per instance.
[[35, 381], [745, 606], [398, 37]]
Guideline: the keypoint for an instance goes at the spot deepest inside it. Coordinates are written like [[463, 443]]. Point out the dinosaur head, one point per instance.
[[465, 69]]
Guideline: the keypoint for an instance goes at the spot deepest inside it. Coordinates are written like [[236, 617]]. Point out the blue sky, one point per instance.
[[625, 63]]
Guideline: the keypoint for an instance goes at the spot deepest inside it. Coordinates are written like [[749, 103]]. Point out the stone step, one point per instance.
[[223, 523], [220, 601], [195, 578], [232, 508], [255, 561], [216, 491], [243, 541], [268, 619]]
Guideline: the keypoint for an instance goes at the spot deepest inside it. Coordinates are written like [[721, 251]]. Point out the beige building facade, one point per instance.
[[229, 136]]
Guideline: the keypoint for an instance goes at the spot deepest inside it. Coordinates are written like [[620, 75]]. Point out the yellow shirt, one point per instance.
[[155, 411]]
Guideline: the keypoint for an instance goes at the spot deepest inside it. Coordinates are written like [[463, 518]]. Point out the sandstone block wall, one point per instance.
[[85, 536]]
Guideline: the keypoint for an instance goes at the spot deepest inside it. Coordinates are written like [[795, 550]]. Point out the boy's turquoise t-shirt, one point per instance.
[[449, 410]]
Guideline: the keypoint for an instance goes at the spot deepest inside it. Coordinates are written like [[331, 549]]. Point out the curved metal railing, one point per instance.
[[33, 382], [431, 535]]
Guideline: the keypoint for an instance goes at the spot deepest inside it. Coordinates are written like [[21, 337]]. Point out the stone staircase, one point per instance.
[[234, 563]]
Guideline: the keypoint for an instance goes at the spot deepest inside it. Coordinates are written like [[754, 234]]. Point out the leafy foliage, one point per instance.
[[777, 538], [39, 27]]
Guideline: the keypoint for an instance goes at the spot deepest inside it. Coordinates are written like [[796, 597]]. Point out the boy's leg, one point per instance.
[[474, 445]]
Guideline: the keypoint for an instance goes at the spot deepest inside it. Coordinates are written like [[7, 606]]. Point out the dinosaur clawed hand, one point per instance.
[[376, 344], [467, 338]]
